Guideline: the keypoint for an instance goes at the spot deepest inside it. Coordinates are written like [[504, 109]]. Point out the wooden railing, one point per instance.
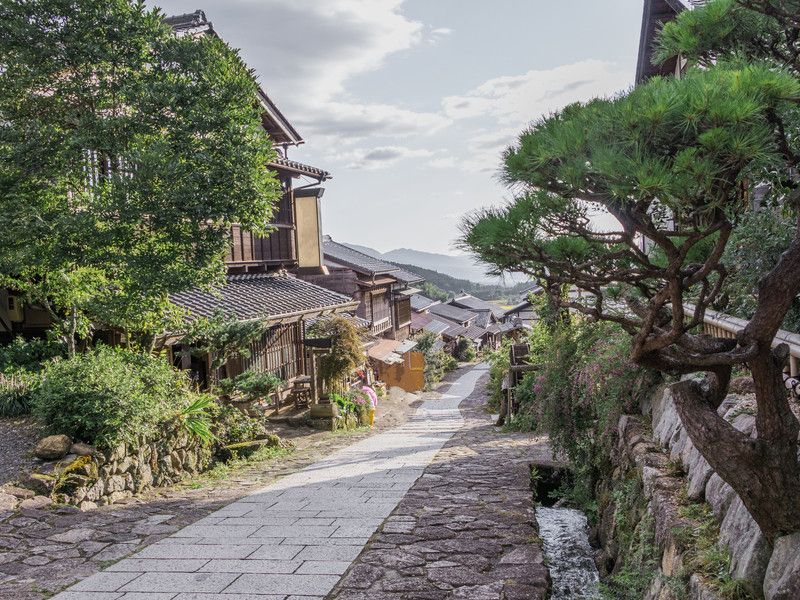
[[721, 325], [277, 248]]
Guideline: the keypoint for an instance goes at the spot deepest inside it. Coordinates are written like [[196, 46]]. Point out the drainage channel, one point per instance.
[[565, 540]]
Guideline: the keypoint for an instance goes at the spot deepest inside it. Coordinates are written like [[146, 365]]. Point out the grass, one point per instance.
[[222, 471], [359, 429], [703, 553]]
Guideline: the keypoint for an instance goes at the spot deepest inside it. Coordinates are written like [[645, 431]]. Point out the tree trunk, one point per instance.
[[764, 471], [69, 335]]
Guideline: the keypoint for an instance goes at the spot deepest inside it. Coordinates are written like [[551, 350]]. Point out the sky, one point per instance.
[[410, 103]]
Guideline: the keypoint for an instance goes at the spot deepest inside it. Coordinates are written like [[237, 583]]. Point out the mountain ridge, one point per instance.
[[460, 267]]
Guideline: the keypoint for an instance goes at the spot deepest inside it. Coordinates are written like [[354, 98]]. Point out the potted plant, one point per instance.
[[248, 389]]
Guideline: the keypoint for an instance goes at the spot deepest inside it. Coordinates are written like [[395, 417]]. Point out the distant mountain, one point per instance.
[[454, 286], [459, 267]]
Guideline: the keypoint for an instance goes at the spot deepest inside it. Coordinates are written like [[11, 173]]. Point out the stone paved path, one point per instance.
[[466, 529], [43, 550], [293, 539]]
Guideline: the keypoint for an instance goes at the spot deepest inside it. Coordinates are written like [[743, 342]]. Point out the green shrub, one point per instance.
[[347, 350], [15, 393], [585, 381], [352, 402], [108, 396], [465, 350], [250, 385], [231, 426], [28, 355], [499, 362], [437, 362]]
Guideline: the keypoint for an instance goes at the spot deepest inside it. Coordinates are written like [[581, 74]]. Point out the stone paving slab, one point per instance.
[[465, 529], [313, 521]]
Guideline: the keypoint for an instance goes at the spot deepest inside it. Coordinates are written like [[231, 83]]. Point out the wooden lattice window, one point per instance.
[[279, 351]]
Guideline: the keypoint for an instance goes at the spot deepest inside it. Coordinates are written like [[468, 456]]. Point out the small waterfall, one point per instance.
[[564, 532]]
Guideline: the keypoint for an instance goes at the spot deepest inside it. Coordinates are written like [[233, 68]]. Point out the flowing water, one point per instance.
[[569, 556]]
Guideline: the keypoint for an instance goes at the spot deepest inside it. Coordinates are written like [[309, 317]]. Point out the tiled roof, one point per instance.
[[354, 319], [299, 168], [521, 307], [407, 277], [453, 313], [262, 296], [391, 351], [420, 302], [474, 332], [193, 20], [437, 346], [437, 327], [358, 261], [473, 303], [484, 319], [454, 331], [419, 320]]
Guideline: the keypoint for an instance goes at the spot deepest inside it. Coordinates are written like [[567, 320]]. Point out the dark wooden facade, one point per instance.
[[249, 252], [280, 351], [402, 312], [376, 306]]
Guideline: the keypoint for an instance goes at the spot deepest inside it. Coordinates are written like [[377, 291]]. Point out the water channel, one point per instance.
[[564, 533]]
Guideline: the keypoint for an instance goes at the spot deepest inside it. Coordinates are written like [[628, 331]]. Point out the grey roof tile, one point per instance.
[[420, 302], [358, 261], [453, 313], [299, 168], [261, 296], [472, 303]]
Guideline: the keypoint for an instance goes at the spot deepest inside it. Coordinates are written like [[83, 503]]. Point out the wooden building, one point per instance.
[[383, 290], [263, 280]]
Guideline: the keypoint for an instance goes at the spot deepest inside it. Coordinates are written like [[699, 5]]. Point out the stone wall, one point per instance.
[[87, 477], [669, 470]]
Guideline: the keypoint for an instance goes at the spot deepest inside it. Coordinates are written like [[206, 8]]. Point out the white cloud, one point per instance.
[[381, 157], [305, 51], [353, 121], [519, 99]]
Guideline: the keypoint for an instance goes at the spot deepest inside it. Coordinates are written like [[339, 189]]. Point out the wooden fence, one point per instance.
[[721, 325]]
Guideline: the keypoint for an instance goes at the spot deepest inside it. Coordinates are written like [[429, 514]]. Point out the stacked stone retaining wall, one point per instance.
[[670, 471]]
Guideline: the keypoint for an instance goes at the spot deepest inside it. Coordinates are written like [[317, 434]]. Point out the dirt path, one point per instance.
[[18, 435], [466, 528]]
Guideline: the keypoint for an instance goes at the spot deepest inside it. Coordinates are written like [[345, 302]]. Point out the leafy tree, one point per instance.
[[755, 246], [671, 161], [347, 349], [224, 337], [437, 362], [126, 152], [434, 292], [465, 350]]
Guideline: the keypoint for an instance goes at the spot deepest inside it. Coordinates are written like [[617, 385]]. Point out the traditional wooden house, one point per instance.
[[487, 312], [259, 283], [656, 13], [383, 290]]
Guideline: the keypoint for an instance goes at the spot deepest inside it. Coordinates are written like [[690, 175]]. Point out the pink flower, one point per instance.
[[373, 397]]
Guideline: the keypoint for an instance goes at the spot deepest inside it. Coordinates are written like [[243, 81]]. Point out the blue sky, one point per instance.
[[410, 103]]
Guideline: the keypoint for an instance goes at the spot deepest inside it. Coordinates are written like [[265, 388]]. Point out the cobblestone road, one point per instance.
[[466, 529], [44, 549], [294, 538]]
